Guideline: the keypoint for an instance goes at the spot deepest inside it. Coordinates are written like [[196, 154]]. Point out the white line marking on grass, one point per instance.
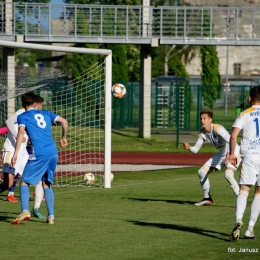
[[123, 186]]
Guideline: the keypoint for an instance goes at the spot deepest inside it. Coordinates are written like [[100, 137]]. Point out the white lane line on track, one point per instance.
[[123, 186]]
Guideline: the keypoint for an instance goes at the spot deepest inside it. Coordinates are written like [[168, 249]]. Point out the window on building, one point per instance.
[[237, 68]]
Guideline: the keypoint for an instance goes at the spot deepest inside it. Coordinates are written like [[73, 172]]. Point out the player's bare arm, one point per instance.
[[64, 125], [19, 140], [232, 145]]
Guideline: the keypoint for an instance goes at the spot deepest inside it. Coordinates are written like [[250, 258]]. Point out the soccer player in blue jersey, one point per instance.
[[37, 124]]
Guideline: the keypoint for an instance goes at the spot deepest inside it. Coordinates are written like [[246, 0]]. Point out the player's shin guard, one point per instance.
[[204, 181], [229, 175]]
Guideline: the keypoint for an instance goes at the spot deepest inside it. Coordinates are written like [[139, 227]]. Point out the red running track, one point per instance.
[[134, 158], [159, 158]]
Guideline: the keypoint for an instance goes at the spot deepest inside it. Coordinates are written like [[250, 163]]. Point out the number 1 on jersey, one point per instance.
[[256, 126]]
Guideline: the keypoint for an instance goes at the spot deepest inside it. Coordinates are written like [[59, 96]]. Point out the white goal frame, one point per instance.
[[107, 88]]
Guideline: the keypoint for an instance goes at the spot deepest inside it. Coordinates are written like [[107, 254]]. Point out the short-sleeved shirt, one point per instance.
[[38, 125], [249, 123]]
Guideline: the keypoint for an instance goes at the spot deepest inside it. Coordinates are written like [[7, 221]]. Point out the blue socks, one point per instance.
[[49, 198], [25, 195]]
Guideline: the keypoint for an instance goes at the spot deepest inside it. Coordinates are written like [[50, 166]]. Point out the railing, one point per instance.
[[130, 24]]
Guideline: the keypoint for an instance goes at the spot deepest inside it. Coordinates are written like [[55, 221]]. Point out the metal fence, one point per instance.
[[44, 22], [170, 106]]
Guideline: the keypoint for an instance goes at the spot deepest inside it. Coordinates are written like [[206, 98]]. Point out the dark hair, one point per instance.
[[207, 112], [39, 99], [28, 99], [255, 94]]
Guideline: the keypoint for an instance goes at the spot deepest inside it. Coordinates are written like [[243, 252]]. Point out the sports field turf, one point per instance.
[[145, 215]]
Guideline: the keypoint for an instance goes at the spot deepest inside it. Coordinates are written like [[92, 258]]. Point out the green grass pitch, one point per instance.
[[145, 216]]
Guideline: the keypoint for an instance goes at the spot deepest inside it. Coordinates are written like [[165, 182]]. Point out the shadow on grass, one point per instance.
[[168, 201], [9, 216], [3, 198], [181, 202], [196, 230]]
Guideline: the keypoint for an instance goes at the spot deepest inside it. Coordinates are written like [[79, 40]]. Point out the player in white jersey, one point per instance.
[[248, 122], [218, 136], [8, 151]]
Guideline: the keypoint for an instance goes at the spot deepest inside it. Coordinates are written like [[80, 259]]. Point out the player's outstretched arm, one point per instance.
[[64, 125], [186, 146], [196, 147]]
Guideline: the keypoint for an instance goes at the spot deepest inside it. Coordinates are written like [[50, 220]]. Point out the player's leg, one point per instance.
[[24, 194], [10, 196], [255, 211], [19, 168], [229, 175], [47, 186], [240, 209], [8, 171], [36, 212], [248, 178], [8, 181], [30, 176], [211, 165], [230, 172], [49, 198], [205, 184]]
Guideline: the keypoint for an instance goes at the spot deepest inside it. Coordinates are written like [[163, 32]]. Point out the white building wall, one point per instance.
[[247, 56]]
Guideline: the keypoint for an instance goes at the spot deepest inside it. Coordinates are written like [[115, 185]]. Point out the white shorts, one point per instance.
[[250, 172], [20, 163], [217, 161]]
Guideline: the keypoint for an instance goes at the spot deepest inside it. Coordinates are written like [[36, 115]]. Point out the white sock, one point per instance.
[[255, 210], [38, 195], [10, 193], [229, 175], [204, 181], [241, 205]]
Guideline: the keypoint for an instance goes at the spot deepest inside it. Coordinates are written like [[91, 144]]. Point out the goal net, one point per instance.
[[84, 100]]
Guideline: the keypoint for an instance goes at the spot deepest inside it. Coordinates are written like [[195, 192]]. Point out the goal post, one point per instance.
[[84, 100]]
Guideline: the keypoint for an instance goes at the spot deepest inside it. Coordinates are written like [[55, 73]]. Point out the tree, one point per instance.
[[75, 63], [133, 62], [119, 65], [210, 76]]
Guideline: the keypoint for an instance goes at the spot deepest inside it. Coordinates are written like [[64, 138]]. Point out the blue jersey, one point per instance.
[[38, 126]]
